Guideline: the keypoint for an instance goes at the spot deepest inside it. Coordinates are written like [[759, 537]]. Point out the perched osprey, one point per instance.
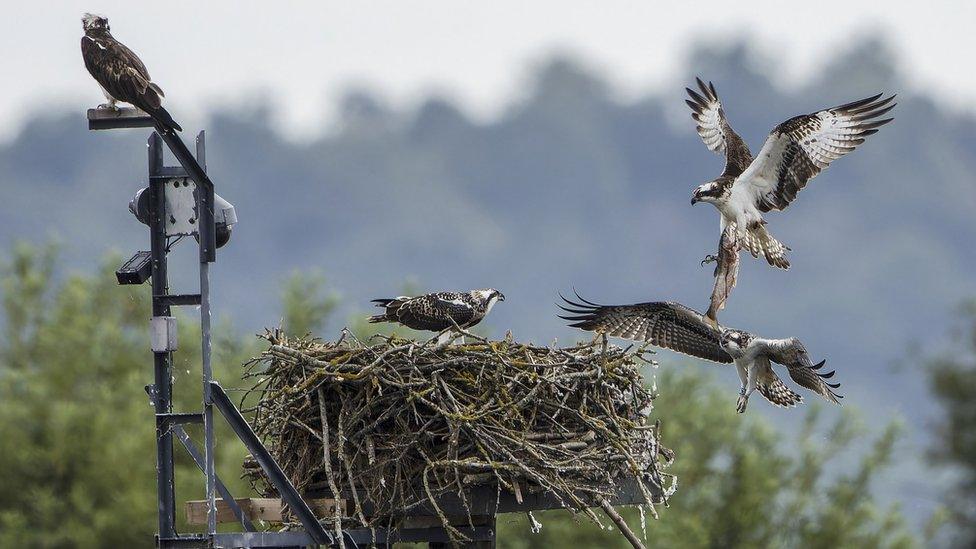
[[676, 327], [121, 74], [795, 152], [440, 310]]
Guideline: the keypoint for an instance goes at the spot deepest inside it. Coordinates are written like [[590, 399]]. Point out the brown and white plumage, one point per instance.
[[439, 310], [803, 146], [794, 152], [792, 354], [715, 131], [662, 323], [673, 326], [119, 71], [772, 388]]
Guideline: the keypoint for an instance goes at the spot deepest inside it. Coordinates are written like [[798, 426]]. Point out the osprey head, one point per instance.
[[735, 340], [707, 192], [94, 23], [489, 295]]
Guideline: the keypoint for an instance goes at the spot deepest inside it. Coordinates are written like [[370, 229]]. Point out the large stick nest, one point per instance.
[[394, 423]]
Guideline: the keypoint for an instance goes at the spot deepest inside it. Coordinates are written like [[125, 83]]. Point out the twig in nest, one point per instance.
[[327, 465], [621, 524]]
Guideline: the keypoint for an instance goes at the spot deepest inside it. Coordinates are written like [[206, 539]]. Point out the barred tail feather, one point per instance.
[[759, 241], [779, 394], [391, 306]]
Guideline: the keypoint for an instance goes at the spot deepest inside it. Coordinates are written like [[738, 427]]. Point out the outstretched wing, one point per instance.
[[665, 324], [435, 311], [726, 271], [792, 354], [714, 128], [803, 146]]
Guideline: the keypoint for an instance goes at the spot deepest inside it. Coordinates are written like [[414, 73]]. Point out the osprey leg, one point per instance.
[[444, 338], [747, 374]]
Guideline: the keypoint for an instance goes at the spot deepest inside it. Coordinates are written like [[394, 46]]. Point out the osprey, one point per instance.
[[679, 328], [795, 152], [439, 311], [121, 74]]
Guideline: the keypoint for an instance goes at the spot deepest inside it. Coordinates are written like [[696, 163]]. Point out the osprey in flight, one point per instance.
[[121, 74], [676, 327], [440, 310], [795, 152]]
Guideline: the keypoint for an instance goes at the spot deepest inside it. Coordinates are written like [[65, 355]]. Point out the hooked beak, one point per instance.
[[501, 296], [695, 199]]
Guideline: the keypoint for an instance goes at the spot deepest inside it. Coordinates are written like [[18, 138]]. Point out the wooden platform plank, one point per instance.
[[484, 500], [266, 509]]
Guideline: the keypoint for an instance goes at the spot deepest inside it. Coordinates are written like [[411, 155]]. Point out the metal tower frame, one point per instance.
[[168, 423]]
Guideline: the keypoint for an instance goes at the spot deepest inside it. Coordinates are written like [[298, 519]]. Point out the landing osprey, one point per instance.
[[795, 152], [676, 327], [121, 74], [439, 311]]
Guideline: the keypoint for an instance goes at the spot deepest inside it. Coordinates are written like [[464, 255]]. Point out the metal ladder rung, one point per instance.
[[179, 418], [179, 299]]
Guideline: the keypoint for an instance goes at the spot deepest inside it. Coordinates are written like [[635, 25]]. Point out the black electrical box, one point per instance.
[[136, 270]]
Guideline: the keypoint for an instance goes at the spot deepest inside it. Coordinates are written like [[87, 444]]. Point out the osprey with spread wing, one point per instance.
[[795, 152], [440, 310], [678, 328]]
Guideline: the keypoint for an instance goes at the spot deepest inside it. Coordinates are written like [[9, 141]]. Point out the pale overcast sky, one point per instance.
[[305, 55]]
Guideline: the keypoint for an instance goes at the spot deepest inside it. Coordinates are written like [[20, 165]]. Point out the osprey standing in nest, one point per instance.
[[439, 311], [678, 328], [121, 74], [795, 152]]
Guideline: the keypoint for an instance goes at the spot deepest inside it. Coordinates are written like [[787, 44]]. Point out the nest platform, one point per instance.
[[401, 430]]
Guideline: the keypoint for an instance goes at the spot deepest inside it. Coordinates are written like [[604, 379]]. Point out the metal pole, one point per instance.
[[166, 497], [208, 427], [206, 227]]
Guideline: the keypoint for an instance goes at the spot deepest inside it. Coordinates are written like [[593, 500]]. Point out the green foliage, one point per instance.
[[306, 304], [78, 466], [72, 411], [952, 377], [740, 486]]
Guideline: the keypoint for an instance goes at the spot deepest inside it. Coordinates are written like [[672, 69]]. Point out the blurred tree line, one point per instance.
[[953, 381], [77, 469]]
